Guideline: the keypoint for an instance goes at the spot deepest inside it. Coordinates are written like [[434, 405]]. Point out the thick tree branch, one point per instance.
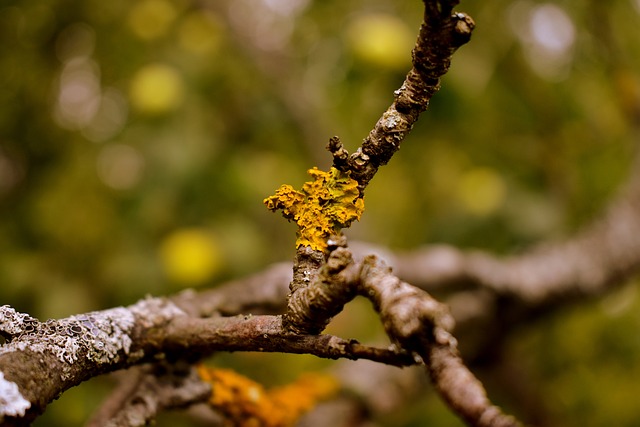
[[411, 318], [262, 333], [311, 308], [419, 323], [464, 394], [43, 359], [87, 345], [84, 346]]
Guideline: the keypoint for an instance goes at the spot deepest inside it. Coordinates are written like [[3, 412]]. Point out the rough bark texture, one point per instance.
[[43, 365], [441, 34]]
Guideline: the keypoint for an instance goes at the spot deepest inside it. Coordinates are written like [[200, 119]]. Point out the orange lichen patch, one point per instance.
[[325, 205], [246, 403]]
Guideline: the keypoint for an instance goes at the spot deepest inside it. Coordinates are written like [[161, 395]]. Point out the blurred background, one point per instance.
[[138, 140]]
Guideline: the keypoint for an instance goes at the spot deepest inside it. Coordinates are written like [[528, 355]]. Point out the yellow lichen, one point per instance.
[[325, 205], [246, 403]]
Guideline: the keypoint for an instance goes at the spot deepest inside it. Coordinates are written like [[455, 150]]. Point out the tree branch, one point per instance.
[[83, 346], [149, 390], [464, 394], [419, 323], [441, 34]]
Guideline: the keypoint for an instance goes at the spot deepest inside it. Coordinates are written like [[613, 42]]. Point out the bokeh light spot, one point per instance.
[[382, 40], [548, 36], [190, 256], [481, 191], [150, 19], [78, 94], [156, 89], [552, 29]]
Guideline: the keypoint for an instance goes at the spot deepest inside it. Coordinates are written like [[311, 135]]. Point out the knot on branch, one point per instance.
[[311, 308], [464, 25], [339, 153]]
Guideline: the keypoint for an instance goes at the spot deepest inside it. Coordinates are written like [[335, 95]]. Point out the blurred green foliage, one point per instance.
[[138, 140]]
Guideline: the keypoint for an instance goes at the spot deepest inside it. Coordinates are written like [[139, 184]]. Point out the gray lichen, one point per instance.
[[102, 337], [97, 336], [12, 403], [13, 323], [108, 333], [155, 311]]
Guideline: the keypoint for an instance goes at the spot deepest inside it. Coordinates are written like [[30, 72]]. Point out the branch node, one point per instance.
[[339, 260], [311, 307], [464, 25], [340, 154], [359, 160]]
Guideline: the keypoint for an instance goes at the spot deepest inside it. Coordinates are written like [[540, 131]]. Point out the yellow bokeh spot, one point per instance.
[[200, 33], [481, 191], [150, 19], [382, 40], [156, 89], [190, 257]]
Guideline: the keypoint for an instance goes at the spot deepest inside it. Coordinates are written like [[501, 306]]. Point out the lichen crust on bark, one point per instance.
[[325, 205]]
